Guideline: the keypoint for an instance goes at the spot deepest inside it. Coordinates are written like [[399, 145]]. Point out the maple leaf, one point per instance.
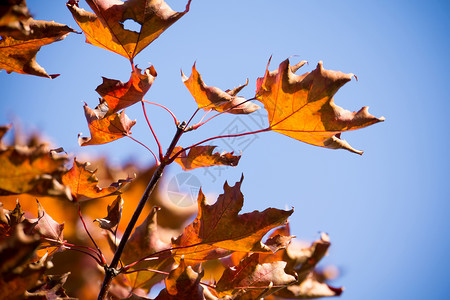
[[12, 15], [83, 183], [309, 288], [18, 50], [105, 28], [202, 156], [47, 227], [105, 129], [34, 170], [214, 98], [119, 95], [302, 106], [182, 283], [50, 287], [111, 221], [251, 274], [220, 226], [145, 241]]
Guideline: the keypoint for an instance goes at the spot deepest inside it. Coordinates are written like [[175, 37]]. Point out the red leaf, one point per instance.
[[202, 156]]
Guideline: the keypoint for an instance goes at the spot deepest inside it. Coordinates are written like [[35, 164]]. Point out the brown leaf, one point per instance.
[[214, 98], [202, 156], [105, 129], [220, 226], [12, 12], [18, 50], [83, 183], [37, 167], [309, 288], [145, 241], [251, 274], [105, 28], [111, 221], [50, 287], [46, 226], [182, 283], [302, 106], [119, 95]]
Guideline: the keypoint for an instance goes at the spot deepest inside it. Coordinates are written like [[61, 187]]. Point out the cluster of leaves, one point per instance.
[[220, 240]]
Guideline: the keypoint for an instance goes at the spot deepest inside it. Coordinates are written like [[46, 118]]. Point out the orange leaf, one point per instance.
[[105, 28], [105, 129], [83, 183], [18, 50], [302, 106], [111, 221], [202, 156], [220, 226], [119, 95], [182, 283], [214, 98]]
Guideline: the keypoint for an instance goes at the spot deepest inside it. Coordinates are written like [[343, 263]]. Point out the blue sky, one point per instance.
[[387, 212]]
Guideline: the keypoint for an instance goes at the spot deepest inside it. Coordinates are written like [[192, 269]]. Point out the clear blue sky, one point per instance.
[[387, 212]]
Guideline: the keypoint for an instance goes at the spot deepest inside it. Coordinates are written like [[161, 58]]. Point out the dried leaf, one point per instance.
[[220, 226], [182, 283], [12, 12], [18, 50], [83, 183], [37, 167], [50, 287], [145, 241], [105, 129], [302, 106], [119, 95], [251, 274], [214, 98], [105, 28], [47, 227], [202, 156], [309, 288], [111, 221]]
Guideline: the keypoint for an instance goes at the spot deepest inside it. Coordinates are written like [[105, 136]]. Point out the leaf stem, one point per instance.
[[151, 129], [217, 137], [111, 271], [168, 110], [142, 144], [99, 252]]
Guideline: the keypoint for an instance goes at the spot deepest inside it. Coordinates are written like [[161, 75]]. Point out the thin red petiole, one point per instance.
[[216, 137], [161, 156], [143, 145], [168, 110], [150, 270], [74, 248], [99, 252], [193, 115]]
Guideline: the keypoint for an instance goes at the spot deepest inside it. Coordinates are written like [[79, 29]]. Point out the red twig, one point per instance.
[[168, 110], [99, 252], [153, 132], [142, 144]]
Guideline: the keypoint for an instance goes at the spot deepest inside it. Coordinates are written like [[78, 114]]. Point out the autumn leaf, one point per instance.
[[302, 106], [12, 15], [106, 29], [202, 156], [145, 241], [220, 226], [35, 170], [18, 50], [214, 98], [47, 227], [182, 283], [119, 95], [105, 129], [309, 288], [111, 221], [251, 274], [50, 287], [83, 183]]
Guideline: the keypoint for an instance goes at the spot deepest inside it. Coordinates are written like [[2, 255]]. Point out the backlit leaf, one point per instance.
[[182, 283], [202, 156], [119, 95], [220, 226], [13, 13], [111, 221], [105, 28], [309, 288], [302, 106], [105, 129], [214, 98], [83, 183], [46, 226], [18, 50]]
